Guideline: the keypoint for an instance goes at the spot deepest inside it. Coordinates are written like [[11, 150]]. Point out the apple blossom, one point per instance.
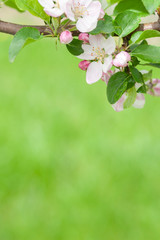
[[53, 8], [122, 59], [84, 12], [154, 87], [66, 37], [98, 50], [84, 65], [84, 37]]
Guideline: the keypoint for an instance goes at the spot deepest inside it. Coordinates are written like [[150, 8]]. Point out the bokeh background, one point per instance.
[[70, 167]]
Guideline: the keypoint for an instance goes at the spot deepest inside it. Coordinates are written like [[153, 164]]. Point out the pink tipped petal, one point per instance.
[[107, 64], [118, 106], [94, 72], [140, 101], [101, 15]]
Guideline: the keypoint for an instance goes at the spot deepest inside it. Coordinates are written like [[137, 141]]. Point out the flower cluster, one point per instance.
[[103, 56]]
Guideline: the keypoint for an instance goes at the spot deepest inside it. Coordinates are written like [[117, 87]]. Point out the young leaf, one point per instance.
[[12, 4], [20, 39], [131, 97], [151, 5], [126, 23], [147, 76], [135, 6], [147, 53], [75, 47], [33, 7], [157, 65], [104, 26], [117, 85], [137, 75], [139, 36]]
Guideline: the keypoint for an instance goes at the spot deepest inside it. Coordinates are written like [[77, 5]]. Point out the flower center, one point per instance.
[[79, 10], [100, 54]]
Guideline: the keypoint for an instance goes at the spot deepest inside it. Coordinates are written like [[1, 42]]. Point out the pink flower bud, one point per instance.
[[101, 15], [84, 37], [154, 87], [84, 65], [66, 37], [122, 59]]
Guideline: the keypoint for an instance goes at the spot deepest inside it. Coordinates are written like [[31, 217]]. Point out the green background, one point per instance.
[[70, 167]]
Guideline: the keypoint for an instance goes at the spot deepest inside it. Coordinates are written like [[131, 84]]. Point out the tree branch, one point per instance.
[[12, 28]]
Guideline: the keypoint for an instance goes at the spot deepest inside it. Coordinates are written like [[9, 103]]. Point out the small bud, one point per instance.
[[66, 37], [101, 15], [84, 65], [122, 59], [84, 37]]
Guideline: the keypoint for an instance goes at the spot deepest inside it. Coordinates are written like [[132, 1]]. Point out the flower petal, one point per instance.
[[140, 101], [109, 45], [86, 24], [46, 3], [107, 64], [94, 72], [54, 12], [88, 52]]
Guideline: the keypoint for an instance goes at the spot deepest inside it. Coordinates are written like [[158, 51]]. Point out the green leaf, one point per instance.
[[147, 76], [157, 65], [117, 85], [142, 35], [111, 2], [126, 23], [75, 47], [104, 26], [137, 75], [136, 6], [33, 7], [12, 4], [131, 97], [151, 5], [147, 53], [142, 89], [20, 39]]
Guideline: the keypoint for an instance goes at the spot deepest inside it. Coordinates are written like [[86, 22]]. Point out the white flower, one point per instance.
[[98, 50], [85, 12], [53, 8]]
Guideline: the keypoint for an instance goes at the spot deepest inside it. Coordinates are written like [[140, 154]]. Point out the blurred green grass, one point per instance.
[[70, 167]]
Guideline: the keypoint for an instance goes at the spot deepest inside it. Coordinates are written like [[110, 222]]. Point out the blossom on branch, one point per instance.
[[84, 12], [99, 52]]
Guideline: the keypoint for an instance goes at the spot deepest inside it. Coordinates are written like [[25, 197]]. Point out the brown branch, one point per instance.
[[12, 28]]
